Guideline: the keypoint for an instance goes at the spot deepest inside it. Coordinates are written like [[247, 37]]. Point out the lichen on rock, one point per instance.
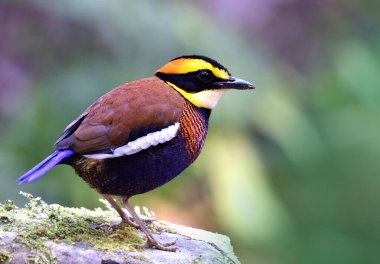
[[50, 233], [39, 222]]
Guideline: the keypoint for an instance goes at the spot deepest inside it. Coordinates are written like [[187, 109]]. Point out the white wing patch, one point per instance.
[[151, 139]]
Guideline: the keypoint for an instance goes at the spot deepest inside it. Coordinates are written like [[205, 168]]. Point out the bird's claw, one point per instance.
[[111, 228], [129, 221], [157, 245], [149, 220]]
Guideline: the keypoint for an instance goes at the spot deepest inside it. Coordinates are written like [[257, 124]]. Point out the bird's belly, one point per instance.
[[137, 173]]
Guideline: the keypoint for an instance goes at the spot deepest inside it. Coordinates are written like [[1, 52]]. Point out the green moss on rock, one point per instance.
[[39, 222], [50, 233], [5, 257]]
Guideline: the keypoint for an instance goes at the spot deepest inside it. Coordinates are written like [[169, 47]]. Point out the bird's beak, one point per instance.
[[234, 83]]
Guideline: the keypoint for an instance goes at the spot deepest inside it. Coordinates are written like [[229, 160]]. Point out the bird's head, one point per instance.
[[201, 80]]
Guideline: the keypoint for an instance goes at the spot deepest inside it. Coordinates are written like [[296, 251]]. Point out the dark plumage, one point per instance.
[[144, 133], [148, 169]]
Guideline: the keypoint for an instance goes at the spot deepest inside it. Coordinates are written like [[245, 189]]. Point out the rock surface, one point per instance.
[[42, 233]]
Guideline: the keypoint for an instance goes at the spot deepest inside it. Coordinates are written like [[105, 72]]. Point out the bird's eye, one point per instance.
[[205, 76]]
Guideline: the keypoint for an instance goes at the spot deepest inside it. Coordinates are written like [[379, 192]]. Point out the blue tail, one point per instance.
[[44, 166]]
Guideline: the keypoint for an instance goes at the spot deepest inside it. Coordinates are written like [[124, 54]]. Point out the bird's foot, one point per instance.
[[148, 220], [128, 221], [151, 241], [110, 228], [158, 245]]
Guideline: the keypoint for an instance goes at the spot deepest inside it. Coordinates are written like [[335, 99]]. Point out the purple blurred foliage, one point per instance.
[[34, 40], [297, 31]]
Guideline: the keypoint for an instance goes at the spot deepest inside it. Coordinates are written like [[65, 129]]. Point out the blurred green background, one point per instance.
[[289, 171]]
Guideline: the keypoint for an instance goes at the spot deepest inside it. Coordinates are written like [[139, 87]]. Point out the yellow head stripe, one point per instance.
[[186, 65]]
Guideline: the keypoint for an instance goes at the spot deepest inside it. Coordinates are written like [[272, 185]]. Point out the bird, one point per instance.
[[143, 133]]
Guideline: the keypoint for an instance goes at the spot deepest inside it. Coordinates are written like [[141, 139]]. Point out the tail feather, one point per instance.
[[44, 166]]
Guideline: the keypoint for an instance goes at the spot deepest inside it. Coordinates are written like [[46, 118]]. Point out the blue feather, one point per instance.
[[44, 166]]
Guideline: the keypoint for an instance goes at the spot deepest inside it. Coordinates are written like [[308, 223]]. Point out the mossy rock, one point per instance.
[[50, 233]]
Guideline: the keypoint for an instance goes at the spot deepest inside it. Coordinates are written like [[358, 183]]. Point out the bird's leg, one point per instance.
[[145, 219], [151, 241], [124, 217]]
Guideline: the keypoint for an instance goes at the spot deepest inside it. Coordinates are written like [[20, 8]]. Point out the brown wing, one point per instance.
[[123, 114]]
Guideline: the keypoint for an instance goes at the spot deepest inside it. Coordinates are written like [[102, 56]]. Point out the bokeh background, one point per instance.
[[290, 171]]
